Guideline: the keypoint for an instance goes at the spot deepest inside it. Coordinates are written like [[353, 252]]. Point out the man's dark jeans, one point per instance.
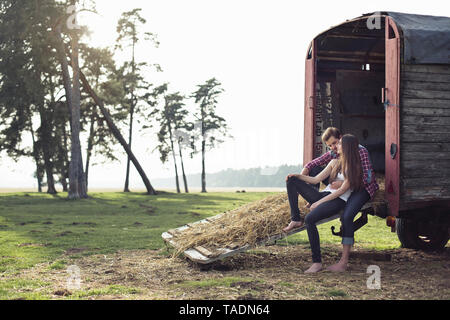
[[354, 204], [314, 172], [296, 186]]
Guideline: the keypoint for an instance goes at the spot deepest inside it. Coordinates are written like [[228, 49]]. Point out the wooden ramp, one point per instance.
[[205, 256]]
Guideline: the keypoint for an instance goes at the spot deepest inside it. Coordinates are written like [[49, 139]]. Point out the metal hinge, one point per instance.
[[385, 101], [388, 104]]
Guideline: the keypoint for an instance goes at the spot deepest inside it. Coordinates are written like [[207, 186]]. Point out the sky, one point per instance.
[[256, 49]]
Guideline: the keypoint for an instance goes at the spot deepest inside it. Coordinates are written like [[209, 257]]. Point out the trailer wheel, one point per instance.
[[410, 237]]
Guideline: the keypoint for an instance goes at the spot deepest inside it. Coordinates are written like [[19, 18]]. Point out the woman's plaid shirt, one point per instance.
[[370, 182]]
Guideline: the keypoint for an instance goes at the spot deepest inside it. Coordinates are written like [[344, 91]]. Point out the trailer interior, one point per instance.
[[350, 75]]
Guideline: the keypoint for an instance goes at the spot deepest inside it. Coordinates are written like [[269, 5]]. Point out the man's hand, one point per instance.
[[291, 175]]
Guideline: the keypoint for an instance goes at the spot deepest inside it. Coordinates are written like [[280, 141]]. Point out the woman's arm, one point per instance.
[[321, 176], [339, 192]]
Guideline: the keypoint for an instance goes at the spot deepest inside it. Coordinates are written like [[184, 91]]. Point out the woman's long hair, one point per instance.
[[349, 163]]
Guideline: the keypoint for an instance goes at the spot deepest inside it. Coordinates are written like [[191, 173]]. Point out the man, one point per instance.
[[331, 138]]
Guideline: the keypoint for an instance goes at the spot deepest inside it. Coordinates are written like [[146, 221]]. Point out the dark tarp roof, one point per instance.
[[426, 38]]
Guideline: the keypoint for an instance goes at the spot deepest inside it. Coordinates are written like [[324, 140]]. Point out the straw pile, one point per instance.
[[249, 224]]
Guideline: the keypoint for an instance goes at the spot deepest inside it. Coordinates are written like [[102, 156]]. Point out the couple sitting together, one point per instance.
[[350, 182]]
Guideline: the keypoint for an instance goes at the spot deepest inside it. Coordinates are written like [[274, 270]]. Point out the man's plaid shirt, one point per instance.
[[370, 183]]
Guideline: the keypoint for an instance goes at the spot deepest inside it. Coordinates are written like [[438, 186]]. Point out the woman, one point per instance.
[[346, 168]]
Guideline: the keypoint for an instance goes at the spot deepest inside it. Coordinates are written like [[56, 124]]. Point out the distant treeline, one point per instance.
[[268, 177]]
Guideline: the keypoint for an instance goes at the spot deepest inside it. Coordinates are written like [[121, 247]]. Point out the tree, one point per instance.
[[129, 35], [77, 181], [171, 118], [209, 127], [28, 73], [99, 69], [115, 131]]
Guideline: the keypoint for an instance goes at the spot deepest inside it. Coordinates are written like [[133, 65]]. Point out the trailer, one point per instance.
[[385, 77]]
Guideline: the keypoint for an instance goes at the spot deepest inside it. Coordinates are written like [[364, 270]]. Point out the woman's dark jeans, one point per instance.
[[296, 186], [354, 204]]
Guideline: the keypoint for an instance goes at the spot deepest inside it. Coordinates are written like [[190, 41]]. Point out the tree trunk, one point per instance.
[[36, 159], [132, 105], [130, 135], [203, 166], [74, 177], [117, 134], [45, 140], [174, 160], [65, 173], [182, 168], [77, 181], [89, 148]]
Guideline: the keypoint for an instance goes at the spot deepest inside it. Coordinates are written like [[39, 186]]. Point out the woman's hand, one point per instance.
[[336, 184], [314, 205]]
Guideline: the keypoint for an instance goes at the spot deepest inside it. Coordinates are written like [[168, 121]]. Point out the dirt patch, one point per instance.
[[274, 272]]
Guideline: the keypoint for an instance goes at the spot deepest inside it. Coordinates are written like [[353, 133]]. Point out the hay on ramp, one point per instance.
[[249, 224]]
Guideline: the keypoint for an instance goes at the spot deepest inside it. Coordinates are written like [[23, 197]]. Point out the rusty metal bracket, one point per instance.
[[357, 224], [388, 104]]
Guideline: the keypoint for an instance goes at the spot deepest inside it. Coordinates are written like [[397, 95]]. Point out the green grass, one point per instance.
[[336, 293], [37, 228], [41, 228], [109, 290], [23, 289]]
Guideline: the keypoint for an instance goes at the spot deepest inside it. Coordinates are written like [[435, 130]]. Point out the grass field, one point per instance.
[[41, 235]]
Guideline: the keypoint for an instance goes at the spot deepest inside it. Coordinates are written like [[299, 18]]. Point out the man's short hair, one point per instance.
[[329, 132]]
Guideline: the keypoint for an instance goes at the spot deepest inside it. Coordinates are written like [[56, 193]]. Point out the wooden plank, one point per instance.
[[424, 147], [430, 193], [429, 165], [413, 183], [392, 124], [410, 103], [424, 103], [424, 128], [206, 252], [426, 94], [426, 137], [424, 156], [359, 60], [428, 77], [420, 85], [423, 120], [425, 111], [425, 172], [427, 68], [196, 256], [309, 104]]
